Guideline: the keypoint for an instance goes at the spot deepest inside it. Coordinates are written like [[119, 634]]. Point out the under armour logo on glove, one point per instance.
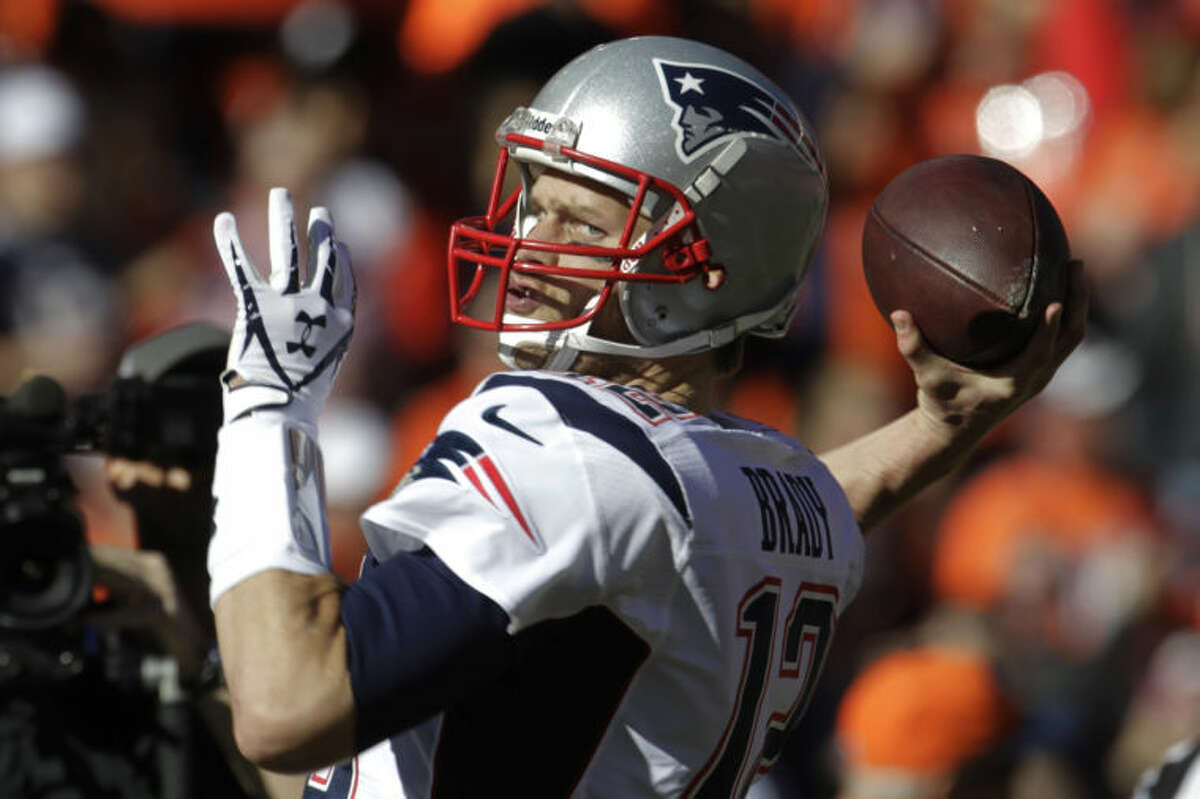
[[299, 376], [302, 345]]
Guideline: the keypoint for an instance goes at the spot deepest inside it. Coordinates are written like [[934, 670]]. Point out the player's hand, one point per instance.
[[958, 400], [291, 330]]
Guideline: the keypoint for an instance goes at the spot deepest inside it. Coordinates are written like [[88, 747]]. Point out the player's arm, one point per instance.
[[283, 651], [316, 671], [275, 603], [956, 407]]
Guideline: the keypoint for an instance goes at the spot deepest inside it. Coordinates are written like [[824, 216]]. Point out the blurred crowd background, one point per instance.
[[1028, 628]]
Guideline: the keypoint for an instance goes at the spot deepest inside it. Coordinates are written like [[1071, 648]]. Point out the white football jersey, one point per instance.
[[673, 581]]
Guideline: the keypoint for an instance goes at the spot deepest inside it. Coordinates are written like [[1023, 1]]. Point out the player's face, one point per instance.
[[568, 210]]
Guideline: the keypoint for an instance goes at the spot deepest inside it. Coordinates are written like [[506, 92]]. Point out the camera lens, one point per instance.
[[45, 571]]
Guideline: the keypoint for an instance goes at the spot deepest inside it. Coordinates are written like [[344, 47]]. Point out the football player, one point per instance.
[[592, 583]]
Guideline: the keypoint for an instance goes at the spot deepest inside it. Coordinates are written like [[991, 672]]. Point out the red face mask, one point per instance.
[[478, 244]]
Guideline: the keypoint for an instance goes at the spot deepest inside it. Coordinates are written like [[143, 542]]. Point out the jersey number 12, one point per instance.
[[807, 632]]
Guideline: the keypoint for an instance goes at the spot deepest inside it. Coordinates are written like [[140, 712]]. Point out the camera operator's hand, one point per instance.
[[144, 597], [291, 333]]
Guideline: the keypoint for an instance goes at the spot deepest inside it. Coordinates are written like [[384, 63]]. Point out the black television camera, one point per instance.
[[164, 406]]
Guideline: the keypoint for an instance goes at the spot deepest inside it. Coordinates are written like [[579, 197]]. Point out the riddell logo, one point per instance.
[[527, 120]]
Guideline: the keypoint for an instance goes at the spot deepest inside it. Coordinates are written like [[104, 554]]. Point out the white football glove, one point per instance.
[[291, 333]]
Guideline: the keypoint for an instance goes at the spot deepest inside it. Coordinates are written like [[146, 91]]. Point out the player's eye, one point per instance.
[[590, 231]]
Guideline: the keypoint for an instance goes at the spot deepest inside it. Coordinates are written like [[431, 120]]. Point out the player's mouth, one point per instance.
[[522, 298]]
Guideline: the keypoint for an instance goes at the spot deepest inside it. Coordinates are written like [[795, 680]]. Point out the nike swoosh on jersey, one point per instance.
[[492, 417]]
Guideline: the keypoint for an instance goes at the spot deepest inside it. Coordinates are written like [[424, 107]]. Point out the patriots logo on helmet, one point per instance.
[[713, 106]]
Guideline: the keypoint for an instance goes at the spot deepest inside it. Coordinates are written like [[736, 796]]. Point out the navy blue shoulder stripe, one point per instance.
[[582, 412]]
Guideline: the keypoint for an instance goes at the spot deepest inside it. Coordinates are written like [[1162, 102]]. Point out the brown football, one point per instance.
[[972, 248]]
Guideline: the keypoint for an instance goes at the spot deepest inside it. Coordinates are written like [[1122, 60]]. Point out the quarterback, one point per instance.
[[592, 583]]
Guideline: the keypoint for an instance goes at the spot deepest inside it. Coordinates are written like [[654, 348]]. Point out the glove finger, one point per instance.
[[345, 285], [281, 228], [322, 252], [238, 266]]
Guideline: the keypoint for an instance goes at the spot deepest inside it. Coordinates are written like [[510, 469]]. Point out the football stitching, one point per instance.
[[946, 268]]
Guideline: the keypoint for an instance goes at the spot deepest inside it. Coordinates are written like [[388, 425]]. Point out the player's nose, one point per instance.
[[547, 230]]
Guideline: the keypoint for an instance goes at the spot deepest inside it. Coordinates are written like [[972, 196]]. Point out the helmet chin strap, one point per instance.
[[560, 345], [559, 357]]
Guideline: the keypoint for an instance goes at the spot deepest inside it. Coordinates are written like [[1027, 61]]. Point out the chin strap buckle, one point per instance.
[[688, 256]]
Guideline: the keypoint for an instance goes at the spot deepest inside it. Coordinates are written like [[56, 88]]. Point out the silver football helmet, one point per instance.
[[709, 151]]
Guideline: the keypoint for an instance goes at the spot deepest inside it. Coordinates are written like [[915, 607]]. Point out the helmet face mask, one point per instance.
[[481, 243], [726, 198]]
